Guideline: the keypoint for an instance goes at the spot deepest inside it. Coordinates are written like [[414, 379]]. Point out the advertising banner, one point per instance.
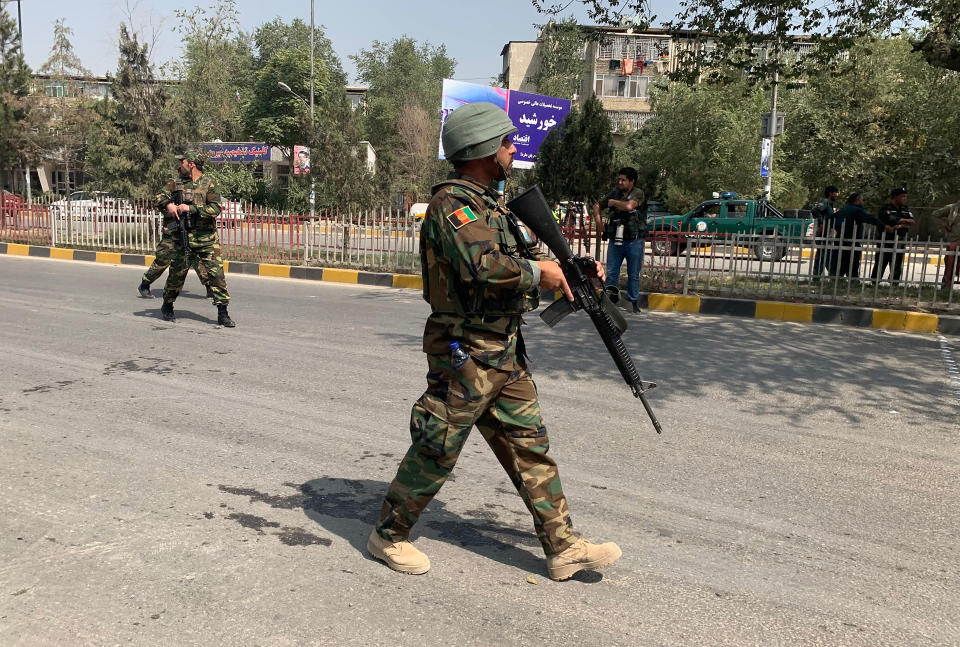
[[301, 160], [765, 148], [237, 152], [533, 114]]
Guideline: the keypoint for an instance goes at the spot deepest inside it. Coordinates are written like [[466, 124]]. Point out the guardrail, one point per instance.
[[734, 265]]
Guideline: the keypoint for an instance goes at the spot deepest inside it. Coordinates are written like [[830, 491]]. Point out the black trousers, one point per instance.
[[888, 255]]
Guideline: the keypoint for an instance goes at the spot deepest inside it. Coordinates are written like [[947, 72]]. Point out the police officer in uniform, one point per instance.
[[896, 220], [198, 208], [481, 272]]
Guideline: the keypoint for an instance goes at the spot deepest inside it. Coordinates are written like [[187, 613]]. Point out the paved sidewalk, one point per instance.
[[755, 309]]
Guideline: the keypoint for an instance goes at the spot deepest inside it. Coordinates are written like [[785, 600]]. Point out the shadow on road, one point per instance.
[[349, 508], [179, 312]]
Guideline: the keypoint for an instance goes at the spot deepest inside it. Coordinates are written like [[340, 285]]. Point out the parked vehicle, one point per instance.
[[715, 220], [92, 205], [417, 211], [232, 214], [10, 205]]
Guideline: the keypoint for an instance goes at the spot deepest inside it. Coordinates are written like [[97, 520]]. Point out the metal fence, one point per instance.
[[379, 239], [862, 270], [738, 265]]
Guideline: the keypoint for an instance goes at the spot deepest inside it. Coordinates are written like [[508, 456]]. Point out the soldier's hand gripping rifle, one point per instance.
[[531, 207], [183, 221]]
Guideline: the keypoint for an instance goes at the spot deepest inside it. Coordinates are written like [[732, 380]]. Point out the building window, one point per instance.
[[624, 121], [55, 90], [641, 48], [612, 85]]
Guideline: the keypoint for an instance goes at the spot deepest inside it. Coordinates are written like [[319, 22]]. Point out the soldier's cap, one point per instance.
[[900, 190], [474, 131], [191, 155]]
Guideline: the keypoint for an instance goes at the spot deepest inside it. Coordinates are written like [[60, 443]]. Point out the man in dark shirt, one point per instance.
[[625, 227], [823, 212], [896, 220], [849, 222]]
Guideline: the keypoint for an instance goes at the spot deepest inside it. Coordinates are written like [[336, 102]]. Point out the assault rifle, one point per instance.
[[531, 207], [183, 223]]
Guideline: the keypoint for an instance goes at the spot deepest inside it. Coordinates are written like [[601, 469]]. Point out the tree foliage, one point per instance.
[[738, 26], [887, 119], [63, 132], [214, 69], [561, 59], [14, 87], [575, 161], [402, 75], [132, 144]]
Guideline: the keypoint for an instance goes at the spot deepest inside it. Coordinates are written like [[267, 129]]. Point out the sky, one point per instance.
[[473, 32]]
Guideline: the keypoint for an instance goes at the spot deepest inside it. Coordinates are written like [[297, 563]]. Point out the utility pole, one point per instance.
[[768, 185], [313, 144]]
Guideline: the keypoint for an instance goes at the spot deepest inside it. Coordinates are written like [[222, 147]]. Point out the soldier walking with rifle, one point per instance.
[[194, 204], [481, 273]]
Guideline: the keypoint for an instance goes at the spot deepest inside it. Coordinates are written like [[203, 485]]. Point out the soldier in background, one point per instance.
[[200, 205], [948, 218], [481, 272]]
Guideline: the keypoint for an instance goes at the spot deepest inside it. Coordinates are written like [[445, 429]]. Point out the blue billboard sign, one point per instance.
[[237, 152], [533, 114]]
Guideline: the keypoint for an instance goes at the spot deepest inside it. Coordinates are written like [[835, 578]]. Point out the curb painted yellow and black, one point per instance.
[[755, 309]]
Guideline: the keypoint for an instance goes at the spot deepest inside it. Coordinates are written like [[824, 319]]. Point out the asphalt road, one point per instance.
[[183, 484]]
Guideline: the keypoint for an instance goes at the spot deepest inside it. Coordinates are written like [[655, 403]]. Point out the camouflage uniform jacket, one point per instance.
[[202, 196], [948, 219], [479, 274]]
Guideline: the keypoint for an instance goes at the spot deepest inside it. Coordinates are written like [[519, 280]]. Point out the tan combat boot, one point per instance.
[[401, 556], [582, 555]]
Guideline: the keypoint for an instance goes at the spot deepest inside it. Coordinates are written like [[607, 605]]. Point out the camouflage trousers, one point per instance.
[[205, 258], [504, 407], [162, 258]]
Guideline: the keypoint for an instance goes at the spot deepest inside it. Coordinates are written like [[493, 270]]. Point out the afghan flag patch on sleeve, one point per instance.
[[460, 217]]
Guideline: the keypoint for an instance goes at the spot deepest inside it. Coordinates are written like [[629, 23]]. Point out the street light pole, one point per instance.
[[312, 126], [313, 137]]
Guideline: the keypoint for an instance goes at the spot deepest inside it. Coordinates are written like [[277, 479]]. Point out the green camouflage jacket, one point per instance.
[[477, 276], [202, 196]]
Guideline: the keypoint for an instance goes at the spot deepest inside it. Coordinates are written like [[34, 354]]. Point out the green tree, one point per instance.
[[215, 67], [132, 143], [701, 139], [277, 35], [14, 88], [561, 59], [887, 119], [64, 133], [401, 75], [338, 175], [575, 161], [738, 26]]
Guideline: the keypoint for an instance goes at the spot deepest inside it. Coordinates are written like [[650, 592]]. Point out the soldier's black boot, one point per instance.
[[144, 290], [166, 311], [209, 292], [223, 317]]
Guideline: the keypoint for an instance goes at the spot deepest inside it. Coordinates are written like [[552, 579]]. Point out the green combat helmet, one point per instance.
[[474, 131]]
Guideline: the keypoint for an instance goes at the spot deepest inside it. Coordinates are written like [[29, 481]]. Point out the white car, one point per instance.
[[92, 205], [232, 214]]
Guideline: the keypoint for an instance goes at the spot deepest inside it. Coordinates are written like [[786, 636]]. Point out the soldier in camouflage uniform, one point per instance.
[[481, 272], [164, 254], [200, 204]]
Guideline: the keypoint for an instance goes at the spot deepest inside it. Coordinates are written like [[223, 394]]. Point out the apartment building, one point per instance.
[[620, 65]]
